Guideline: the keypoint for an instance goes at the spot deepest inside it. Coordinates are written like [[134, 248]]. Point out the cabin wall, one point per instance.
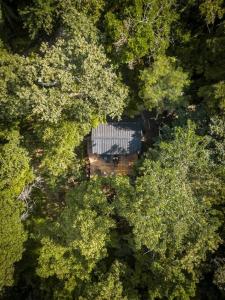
[[98, 166]]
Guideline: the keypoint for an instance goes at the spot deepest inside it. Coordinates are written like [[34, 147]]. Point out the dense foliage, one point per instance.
[[65, 67], [15, 174]]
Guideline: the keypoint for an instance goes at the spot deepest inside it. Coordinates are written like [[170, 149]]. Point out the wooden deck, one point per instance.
[[98, 166]]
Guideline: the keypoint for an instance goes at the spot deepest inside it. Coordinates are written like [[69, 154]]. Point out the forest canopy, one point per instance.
[[68, 66]]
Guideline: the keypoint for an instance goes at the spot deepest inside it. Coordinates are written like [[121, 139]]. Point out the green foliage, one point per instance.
[[80, 238], [59, 144], [174, 223], [43, 16], [72, 79], [153, 235], [219, 277], [109, 286], [203, 56], [138, 28], [15, 173], [91, 8], [162, 85], [212, 9], [15, 169], [217, 131], [214, 95]]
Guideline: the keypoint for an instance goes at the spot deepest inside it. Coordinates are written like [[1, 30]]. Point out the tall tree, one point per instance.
[[71, 79], [15, 174], [59, 143], [80, 238], [139, 28], [108, 286], [217, 133], [199, 46], [162, 85], [212, 9], [174, 224], [45, 16]]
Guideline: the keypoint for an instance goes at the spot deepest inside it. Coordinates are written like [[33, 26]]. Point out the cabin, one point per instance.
[[113, 148]]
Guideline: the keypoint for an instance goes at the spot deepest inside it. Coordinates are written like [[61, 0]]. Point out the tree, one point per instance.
[[162, 85], [135, 29], [214, 95], [219, 277], [59, 144], [212, 9], [80, 237], [15, 174], [40, 16], [108, 287], [217, 132], [201, 51], [44, 16], [72, 79], [174, 224], [155, 235]]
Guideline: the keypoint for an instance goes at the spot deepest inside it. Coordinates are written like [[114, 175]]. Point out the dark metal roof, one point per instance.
[[116, 138]]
